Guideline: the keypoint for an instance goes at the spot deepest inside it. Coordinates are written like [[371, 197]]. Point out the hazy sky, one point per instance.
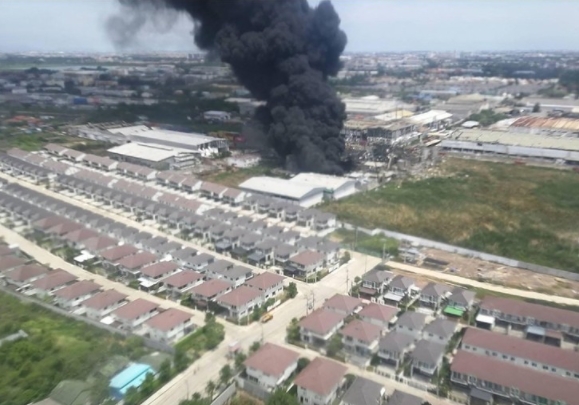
[[371, 25]]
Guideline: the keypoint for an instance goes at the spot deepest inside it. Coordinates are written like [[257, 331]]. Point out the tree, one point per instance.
[[239, 360], [209, 316], [334, 346], [180, 360], [537, 108], [132, 397], [302, 363], [99, 391], [281, 397], [210, 389], [165, 371], [254, 347], [292, 290], [345, 258], [148, 386], [225, 374], [293, 331]]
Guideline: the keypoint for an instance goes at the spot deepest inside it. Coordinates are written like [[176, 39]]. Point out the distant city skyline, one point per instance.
[[371, 26]]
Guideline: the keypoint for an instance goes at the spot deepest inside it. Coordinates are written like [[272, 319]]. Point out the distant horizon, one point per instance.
[[372, 26]]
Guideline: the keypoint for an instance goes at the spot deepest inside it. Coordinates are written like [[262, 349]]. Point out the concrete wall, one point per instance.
[[469, 253]]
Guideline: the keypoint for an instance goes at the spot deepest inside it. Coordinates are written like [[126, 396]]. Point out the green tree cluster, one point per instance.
[[486, 117]]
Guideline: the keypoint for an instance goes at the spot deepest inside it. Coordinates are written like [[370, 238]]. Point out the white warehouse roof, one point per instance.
[[280, 187], [430, 116], [322, 180], [157, 134], [150, 152]]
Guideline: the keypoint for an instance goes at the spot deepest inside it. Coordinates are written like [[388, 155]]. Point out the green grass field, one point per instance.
[[526, 213], [57, 348]]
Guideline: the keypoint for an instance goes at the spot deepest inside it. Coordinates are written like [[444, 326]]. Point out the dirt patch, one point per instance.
[[481, 270]]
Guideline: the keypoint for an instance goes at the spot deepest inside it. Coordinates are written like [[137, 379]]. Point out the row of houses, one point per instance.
[[494, 367], [85, 297], [379, 330], [154, 261], [381, 284], [233, 197], [242, 237], [321, 382]]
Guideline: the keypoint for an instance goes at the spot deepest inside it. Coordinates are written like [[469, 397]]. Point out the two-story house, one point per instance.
[[234, 197], [318, 327], [98, 244], [72, 296], [230, 239], [110, 257], [132, 315], [400, 287], [304, 264], [241, 301], [271, 365], [282, 254], [375, 282], [270, 284], [320, 382], [379, 315], [361, 338], [130, 266], [53, 281], [170, 325], [393, 348], [433, 295], [183, 281], [344, 304], [459, 302], [440, 331], [10, 262], [153, 274], [200, 262], [402, 398], [102, 304], [411, 323], [209, 291], [264, 252], [183, 257], [427, 357], [23, 275], [364, 392]]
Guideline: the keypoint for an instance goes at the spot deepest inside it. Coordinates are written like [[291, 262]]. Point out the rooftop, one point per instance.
[[527, 349], [321, 180], [54, 279], [239, 296], [149, 152], [307, 258], [104, 299], [26, 272], [441, 327], [135, 309], [272, 360], [211, 288], [152, 134], [321, 321], [344, 303], [384, 313], [428, 352], [412, 319], [362, 331], [77, 290], [168, 319], [183, 278], [402, 398], [280, 187], [540, 313], [321, 376], [10, 262], [363, 392], [505, 374], [137, 260], [159, 269], [265, 280], [396, 342], [118, 252]]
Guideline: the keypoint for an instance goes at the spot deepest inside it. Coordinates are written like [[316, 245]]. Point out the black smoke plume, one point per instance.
[[283, 52]]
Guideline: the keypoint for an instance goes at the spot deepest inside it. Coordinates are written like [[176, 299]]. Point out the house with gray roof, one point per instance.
[[393, 347], [411, 323], [200, 262], [257, 226], [230, 239], [440, 330], [264, 252], [289, 237], [427, 357], [216, 232], [216, 268], [201, 228], [153, 243], [375, 282], [272, 231], [461, 298], [248, 242], [183, 256], [236, 275], [364, 392], [167, 248], [433, 295], [284, 252], [324, 220], [402, 398]]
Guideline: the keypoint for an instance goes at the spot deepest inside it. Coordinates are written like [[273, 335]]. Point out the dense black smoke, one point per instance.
[[282, 51]]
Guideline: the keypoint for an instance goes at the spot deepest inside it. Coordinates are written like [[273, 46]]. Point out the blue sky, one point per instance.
[[371, 25]]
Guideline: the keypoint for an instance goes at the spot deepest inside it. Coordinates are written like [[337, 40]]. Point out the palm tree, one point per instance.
[[210, 389]]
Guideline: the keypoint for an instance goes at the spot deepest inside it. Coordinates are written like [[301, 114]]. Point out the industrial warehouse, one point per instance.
[[487, 142]]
